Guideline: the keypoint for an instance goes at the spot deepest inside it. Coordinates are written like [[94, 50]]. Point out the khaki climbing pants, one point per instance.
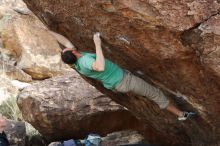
[[134, 84]]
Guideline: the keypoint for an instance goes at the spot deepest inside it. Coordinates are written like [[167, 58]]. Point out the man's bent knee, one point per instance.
[[164, 104]]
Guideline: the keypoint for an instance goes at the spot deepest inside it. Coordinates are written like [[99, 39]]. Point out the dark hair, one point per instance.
[[68, 57]]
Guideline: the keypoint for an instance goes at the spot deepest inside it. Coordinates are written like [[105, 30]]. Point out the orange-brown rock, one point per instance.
[[123, 138], [13, 72], [175, 44], [68, 107], [34, 49]]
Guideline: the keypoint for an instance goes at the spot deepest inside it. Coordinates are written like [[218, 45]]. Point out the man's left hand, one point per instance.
[[96, 38]]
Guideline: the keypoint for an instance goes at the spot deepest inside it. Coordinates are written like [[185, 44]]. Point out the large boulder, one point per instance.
[[7, 89], [34, 49], [172, 43], [16, 133], [11, 8], [13, 72], [13, 5], [68, 107], [116, 138], [123, 138]]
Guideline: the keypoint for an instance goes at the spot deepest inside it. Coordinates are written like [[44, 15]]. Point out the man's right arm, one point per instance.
[[63, 40]]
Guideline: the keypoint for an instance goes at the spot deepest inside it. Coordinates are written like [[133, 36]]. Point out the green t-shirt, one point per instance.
[[110, 77]]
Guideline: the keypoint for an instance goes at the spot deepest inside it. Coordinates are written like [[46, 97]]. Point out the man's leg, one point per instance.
[[171, 108], [134, 84]]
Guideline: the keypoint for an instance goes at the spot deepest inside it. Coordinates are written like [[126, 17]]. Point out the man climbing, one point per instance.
[[112, 76]]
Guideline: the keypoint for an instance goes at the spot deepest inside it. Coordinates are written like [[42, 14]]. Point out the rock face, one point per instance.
[[13, 72], [10, 8], [122, 138], [175, 44], [8, 90], [68, 107], [16, 133], [116, 138], [34, 49]]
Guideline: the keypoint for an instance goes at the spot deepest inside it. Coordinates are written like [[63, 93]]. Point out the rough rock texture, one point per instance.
[[8, 90], [68, 107], [13, 72], [35, 50], [122, 138], [8, 10], [11, 8], [175, 44], [13, 5], [117, 138], [9, 72], [16, 133]]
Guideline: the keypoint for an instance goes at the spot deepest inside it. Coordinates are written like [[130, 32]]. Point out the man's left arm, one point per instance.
[[99, 63]]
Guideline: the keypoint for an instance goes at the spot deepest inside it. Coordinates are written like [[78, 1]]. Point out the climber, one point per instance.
[[112, 76]]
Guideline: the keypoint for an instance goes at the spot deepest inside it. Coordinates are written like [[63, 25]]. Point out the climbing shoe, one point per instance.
[[186, 115]]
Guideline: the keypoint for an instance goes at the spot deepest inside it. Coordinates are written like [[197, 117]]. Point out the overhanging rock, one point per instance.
[[152, 39], [67, 107]]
